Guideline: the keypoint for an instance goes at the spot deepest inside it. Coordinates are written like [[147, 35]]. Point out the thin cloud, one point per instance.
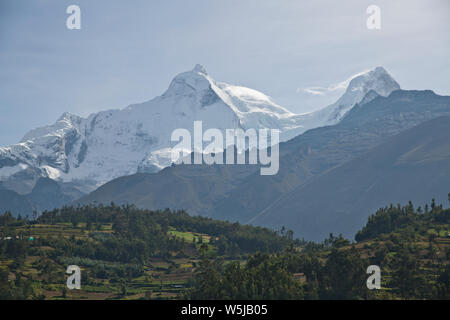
[[313, 90], [321, 91]]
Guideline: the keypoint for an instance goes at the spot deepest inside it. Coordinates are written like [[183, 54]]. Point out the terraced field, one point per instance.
[[161, 278]]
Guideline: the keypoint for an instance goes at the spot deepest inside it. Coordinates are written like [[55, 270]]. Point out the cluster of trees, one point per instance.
[[287, 276], [262, 277], [116, 242], [12, 284], [143, 233], [388, 219], [140, 234], [17, 289], [409, 244], [393, 239]]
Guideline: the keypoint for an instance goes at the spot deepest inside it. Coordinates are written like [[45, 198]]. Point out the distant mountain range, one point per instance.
[[46, 194], [322, 149], [87, 152], [411, 166], [304, 160], [330, 160]]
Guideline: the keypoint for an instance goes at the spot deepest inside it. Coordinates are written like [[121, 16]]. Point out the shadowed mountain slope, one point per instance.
[[414, 165]]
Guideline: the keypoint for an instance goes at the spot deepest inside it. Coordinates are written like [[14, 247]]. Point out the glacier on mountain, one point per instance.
[[114, 143]]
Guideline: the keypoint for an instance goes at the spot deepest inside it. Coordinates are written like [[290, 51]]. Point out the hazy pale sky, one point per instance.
[[128, 51]]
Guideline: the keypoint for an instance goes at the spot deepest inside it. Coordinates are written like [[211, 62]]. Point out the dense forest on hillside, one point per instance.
[[411, 246], [128, 253], [119, 247]]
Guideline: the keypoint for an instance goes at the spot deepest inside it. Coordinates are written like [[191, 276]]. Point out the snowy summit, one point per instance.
[[114, 143]]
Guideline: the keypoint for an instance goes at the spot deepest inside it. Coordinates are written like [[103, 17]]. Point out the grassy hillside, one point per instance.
[[123, 252], [411, 247], [126, 253]]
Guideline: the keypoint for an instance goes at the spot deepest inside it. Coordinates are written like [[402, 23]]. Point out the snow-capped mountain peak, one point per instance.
[[196, 80], [114, 143], [377, 80], [199, 69]]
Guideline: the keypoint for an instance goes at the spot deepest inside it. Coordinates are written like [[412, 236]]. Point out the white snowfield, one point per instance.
[[114, 143]]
